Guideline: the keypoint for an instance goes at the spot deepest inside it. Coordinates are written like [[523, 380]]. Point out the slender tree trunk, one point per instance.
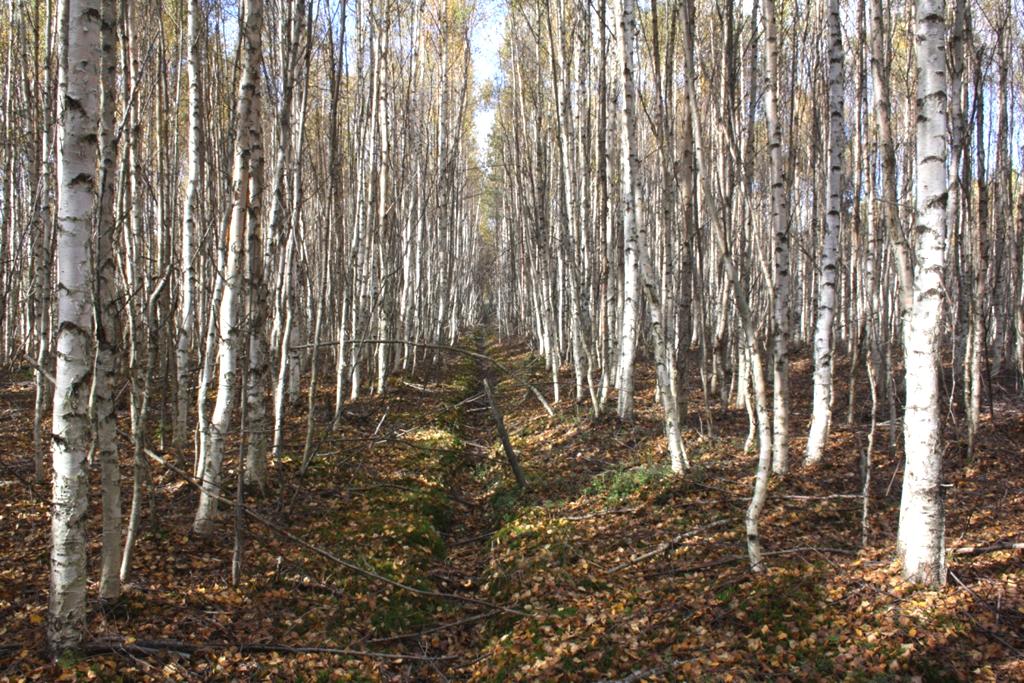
[[741, 299], [780, 229], [822, 406], [106, 316], [229, 330], [637, 236], [42, 248], [256, 288], [889, 210], [77, 123], [920, 539], [186, 324], [978, 306], [630, 308]]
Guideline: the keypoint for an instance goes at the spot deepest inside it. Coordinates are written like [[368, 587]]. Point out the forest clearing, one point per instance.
[[492, 340]]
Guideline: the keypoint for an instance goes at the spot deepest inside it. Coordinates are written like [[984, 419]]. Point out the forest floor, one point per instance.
[[408, 550]]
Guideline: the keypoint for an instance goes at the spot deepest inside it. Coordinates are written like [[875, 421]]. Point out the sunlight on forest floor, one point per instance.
[[621, 567]]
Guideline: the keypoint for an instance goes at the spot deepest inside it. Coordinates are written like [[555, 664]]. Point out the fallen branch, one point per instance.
[[506, 443], [377, 440], [991, 548], [641, 674], [667, 545], [738, 558], [421, 387], [434, 629], [472, 539], [828, 497], [326, 554], [315, 587], [732, 559], [150, 647], [814, 549], [602, 513], [410, 489], [471, 399], [444, 347]]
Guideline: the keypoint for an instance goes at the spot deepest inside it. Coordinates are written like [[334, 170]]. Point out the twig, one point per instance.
[[28, 484], [641, 674], [41, 370], [435, 629], [991, 634], [149, 647], [326, 554], [444, 347], [602, 513], [834, 495], [667, 545]]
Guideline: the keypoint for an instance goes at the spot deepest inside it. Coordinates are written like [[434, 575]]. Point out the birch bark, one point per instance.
[[822, 402], [920, 541], [780, 229], [106, 315], [636, 234], [229, 331], [78, 118], [629, 309], [186, 322]]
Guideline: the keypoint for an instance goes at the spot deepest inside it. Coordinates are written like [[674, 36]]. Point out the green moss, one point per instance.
[[399, 614], [785, 602], [421, 533], [617, 485], [68, 659], [505, 501]]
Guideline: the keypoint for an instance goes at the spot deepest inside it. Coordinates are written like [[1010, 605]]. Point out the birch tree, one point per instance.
[[106, 314], [186, 323], [250, 28], [781, 257], [637, 237], [821, 416], [922, 525], [77, 124], [630, 308]]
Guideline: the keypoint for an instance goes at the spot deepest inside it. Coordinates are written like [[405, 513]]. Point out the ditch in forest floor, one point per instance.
[[414, 488]]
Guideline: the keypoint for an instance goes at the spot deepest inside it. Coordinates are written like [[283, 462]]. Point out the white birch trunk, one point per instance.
[[742, 301], [821, 415], [920, 541], [637, 236], [78, 118], [106, 314], [186, 322], [230, 334], [780, 228], [257, 375], [631, 273]]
